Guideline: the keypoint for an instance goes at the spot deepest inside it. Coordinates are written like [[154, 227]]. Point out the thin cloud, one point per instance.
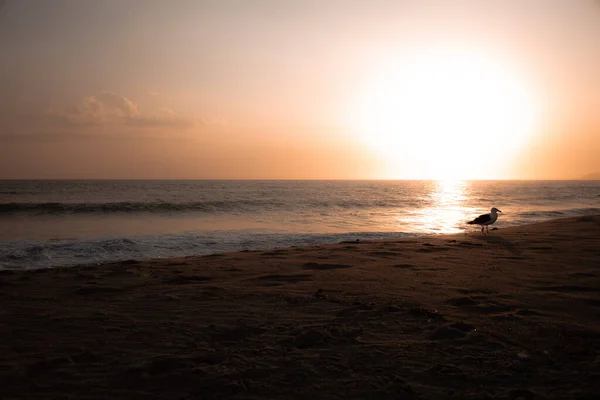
[[219, 121], [113, 109], [97, 116]]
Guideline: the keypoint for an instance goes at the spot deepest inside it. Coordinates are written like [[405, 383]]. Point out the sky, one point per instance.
[[314, 89]]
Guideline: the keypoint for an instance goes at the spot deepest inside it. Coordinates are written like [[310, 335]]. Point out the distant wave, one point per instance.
[[201, 206], [130, 207], [559, 213], [238, 206]]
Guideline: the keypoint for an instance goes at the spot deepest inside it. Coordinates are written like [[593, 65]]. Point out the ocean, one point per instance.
[[62, 223]]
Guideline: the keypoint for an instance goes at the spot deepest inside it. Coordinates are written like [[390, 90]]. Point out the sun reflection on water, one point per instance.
[[448, 208]]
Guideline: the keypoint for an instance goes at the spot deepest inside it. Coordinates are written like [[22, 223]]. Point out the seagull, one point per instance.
[[486, 219]]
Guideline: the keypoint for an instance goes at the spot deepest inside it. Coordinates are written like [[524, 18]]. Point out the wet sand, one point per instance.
[[515, 314]]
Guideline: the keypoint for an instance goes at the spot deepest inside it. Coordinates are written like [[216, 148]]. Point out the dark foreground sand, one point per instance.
[[512, 315]]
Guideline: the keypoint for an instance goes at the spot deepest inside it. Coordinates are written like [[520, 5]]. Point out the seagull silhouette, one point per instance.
[[485, 220]]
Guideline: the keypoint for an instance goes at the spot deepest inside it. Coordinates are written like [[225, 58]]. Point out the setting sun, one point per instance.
[[446, 114]]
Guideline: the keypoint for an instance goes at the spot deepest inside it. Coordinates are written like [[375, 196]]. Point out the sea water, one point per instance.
[[61, 223]]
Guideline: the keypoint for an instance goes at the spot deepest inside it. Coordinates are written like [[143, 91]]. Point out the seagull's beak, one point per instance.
[[498, 210]]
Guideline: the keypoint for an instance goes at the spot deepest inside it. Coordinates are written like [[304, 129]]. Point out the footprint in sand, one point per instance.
[[475, 291], [567, 289], [462, 301], [593, 302], [122, 273], [284, 278], [214, 292], [404, 266], [480, 304], [527, 313], [496, 308], [321, 267], [441, 370], [97, 290], [218, 255], [383, 254], [447, 333], [582, 275], [431, 249], [354, 310], [468, 244], [426, 313], [462, 326], [187, 279], [544, 248], [275, 253], [232, 333], [232, 269], [522, 394]]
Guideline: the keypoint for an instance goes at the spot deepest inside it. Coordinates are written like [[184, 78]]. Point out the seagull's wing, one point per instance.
[[482, 219]]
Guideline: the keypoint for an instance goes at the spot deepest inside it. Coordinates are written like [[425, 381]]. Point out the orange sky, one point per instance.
[[265, 89]]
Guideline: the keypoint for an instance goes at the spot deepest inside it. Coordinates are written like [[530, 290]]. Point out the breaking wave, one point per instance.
[[201, 206], [52, 253]]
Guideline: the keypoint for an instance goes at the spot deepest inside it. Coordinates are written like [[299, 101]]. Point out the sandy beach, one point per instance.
[[514, 314]]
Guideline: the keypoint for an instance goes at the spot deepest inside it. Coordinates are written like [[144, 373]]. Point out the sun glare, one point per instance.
[[446, 114]]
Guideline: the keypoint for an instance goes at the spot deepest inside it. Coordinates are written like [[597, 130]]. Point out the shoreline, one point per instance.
[[408, 236], [515, 314], [31, 254]]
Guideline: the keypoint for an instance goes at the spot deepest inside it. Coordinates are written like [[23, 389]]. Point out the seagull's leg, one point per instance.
[[487, 229], [481, 228]]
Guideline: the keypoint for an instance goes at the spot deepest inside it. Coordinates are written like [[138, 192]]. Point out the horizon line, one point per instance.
[[292, 180]]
